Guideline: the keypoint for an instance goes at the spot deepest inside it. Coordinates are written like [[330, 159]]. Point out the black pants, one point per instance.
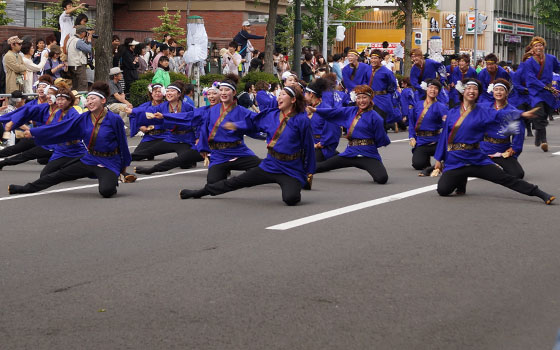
[[525, 107], [185, 159], [42, 155], [456, 179], [373, 166], [221, 171], [511, 166], [21, 146], [146, 150], [291, 187], [108, 180], [57, 164], [541, 121], [421, 156]]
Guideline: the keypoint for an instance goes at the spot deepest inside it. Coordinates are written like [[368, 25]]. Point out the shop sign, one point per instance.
[[505, 27]]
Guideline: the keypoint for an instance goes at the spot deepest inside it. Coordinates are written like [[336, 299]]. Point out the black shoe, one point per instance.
[[186, 194], [529, 133], [143, 170], [15, 189]]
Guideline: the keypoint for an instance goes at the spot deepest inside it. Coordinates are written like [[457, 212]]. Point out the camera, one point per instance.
[[95, 36], [86, 6]]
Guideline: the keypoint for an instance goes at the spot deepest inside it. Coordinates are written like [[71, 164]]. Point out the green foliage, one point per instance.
[[341, 10], [147, 76], [548, 12], [254, 77], [173, 76], [170, 25], [4, 19], [139, 91], [54, 10], [208, 79], [285, 36], [419, 8]]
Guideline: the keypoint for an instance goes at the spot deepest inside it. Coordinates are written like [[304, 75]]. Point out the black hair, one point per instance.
[[50, 39], [261, 56], [385, 44], [189, 88], [273, 87], [116, 37], [491, 57], [465, 81], [434, 82], [163, 47], [308, 57], [502, 64], [66, 3], [138, 49], [318, 86], [101, 87], [465, 57], [79, 18], [337, 57], [377, 52], [248, 86], [163, 58], [181, 85], [231, 79], [26, 47], [233, 44]]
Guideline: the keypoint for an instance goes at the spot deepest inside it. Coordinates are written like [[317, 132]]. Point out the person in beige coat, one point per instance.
[[15, 68]]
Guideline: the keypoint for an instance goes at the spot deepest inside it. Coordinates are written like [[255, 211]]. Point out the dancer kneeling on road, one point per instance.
[[291, 156], [459, 147], [503, 149], [103, 133], [365, 134], [424, 126]]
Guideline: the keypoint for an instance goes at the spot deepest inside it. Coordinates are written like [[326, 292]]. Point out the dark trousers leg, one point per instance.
[[421, 156], [373, 166], [145, 150], [36, 152], [291, 187], [319, 156], [21, 146], [221, 171], [540, 123], [511, 166], [452, 179], [108, 180], [162, 147], [56, 165], [175, 162]]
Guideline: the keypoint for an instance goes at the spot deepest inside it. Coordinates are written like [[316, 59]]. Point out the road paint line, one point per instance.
[[42, 193], [403, 140], [354, 207], [556, 154]]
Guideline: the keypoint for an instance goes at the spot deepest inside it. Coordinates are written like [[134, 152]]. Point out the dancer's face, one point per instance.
[[62, 102], [432, 91], [363, 101], [471, 93], [213, 97], [226, 94], [500, 94], [285, 101]]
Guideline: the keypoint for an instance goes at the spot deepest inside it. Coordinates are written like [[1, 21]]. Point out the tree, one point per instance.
[[285, 37], [548, 12], [341, 10], [103, 44], [170, 25], [270, 36], [403, 17], [4, 19], [54, 10]]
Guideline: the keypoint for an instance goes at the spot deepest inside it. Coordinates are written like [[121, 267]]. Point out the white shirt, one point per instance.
[[389, 65], [66, 26], [399, 51]]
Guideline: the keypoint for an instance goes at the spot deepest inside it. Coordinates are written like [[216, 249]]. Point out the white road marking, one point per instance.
[[556, 154], [95, 185], [355, 207], [403, 140]]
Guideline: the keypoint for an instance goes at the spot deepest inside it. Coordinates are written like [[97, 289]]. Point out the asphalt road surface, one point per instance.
[[369, 266]]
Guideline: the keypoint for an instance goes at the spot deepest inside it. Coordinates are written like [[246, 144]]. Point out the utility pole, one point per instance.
[[297, 38], [475, 30], [325, 27], [457, 36]]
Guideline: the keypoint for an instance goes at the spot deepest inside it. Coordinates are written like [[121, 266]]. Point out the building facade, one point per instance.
[[135, 18]]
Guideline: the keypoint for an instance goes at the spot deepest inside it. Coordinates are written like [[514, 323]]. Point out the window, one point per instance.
[[34, 14]]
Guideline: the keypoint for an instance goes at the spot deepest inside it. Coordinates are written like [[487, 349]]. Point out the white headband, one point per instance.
[[502, 85], [228, 85], [310, 90], [42, 83], [63, 95], [471, 82], [95, 93], [52, 87], [174, 88], [290, 91]]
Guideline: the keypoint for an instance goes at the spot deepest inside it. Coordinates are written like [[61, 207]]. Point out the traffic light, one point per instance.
[[481, 25], [340, 33], [418, 38]]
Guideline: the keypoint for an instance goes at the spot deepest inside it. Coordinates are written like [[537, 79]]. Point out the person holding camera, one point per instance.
[[65, 20], [231, 59], [79, 46]]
